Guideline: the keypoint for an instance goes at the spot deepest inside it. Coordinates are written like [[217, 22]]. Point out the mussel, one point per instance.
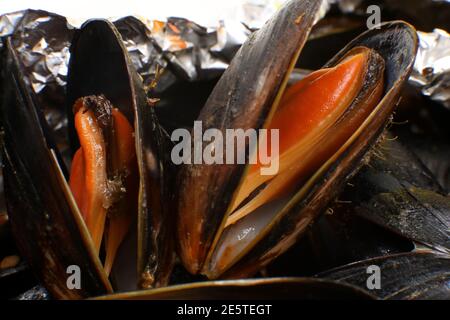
[[214, 237], [39, 203], [100, 65], [116, 175]]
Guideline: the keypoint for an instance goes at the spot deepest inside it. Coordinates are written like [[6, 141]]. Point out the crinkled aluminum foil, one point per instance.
[[42, 40], [143, 51], [194, 52], [432, 67]]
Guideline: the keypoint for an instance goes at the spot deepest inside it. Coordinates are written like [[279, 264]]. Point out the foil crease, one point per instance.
[[42, 41], [431, 72], [193, 51]]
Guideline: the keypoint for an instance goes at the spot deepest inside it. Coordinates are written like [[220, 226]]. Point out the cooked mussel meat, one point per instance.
[[103, 176]]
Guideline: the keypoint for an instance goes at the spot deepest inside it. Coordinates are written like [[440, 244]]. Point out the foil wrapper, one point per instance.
[[432, 67], [42, 41]]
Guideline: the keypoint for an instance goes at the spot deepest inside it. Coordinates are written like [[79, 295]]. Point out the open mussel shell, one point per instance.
[[256, 289], [100, 64], [396, 43], [45, 221], [406, 276], [243, 98]]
